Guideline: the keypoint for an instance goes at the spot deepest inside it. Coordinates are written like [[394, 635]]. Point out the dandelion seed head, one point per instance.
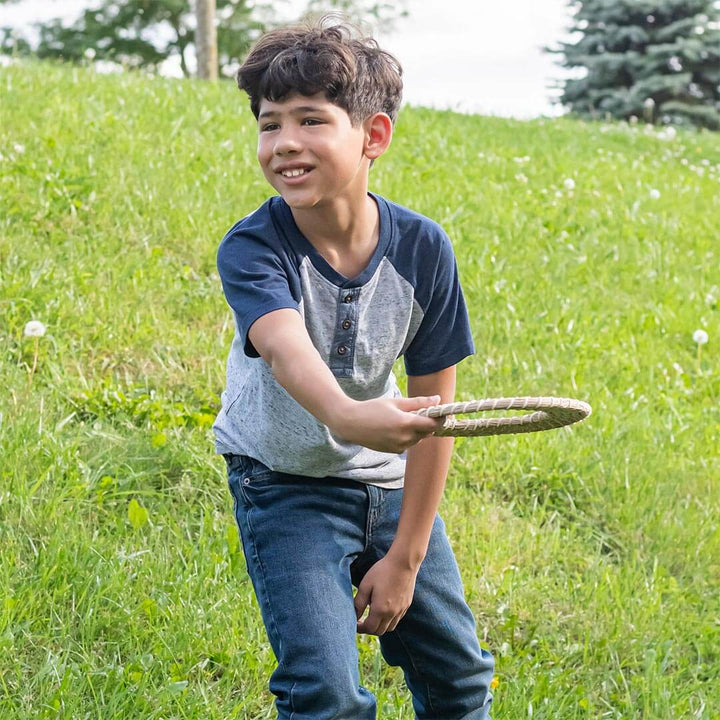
[[654, 193], [569, 184], [34, 328], [700, 337]]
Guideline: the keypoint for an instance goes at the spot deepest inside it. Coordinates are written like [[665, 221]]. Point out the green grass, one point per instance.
[[590, 555]]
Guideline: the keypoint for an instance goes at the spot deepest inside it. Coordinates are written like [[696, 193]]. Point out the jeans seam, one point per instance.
[[292, 704], [369, 520], [267, 596], [420, 674]]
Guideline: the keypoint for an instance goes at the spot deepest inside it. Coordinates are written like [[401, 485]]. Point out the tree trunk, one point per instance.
[[206, 40]]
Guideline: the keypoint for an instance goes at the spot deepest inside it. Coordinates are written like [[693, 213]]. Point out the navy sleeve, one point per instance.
[[443, 338], [255, 278]]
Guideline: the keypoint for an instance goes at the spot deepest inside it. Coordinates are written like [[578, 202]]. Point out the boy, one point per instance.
[[329, 285]]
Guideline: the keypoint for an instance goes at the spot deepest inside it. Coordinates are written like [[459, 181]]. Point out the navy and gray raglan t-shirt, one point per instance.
[[407, 302]]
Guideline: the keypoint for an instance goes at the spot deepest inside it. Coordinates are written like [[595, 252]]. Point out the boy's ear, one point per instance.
[[378, 134]]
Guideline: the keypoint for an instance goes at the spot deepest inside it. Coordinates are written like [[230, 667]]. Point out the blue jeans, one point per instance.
[[307, 541]]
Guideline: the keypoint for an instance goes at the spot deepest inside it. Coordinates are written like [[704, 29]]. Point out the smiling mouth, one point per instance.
[[294, 173]]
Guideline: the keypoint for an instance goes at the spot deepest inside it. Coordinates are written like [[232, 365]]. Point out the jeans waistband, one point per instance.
[[243, 463]]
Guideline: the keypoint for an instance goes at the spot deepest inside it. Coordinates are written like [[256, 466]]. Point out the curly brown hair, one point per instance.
[[350, 69]]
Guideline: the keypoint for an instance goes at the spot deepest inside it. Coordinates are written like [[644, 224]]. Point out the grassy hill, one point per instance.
[[589, 254]]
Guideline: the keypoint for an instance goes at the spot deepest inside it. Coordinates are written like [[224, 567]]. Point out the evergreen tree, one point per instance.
[[654, 58]]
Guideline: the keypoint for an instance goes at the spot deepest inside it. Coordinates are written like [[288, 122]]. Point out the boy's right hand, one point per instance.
[[385, 424]]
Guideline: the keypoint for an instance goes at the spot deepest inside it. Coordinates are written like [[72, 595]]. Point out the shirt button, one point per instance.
[[346, 325], [348, 299], [342, 350]]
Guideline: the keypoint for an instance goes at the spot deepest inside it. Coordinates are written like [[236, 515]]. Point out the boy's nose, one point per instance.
[[286, 142]]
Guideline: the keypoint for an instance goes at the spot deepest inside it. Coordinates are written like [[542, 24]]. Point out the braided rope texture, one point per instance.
[[550, 413]]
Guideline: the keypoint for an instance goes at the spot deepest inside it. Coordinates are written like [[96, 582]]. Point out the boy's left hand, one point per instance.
[[388, 589]]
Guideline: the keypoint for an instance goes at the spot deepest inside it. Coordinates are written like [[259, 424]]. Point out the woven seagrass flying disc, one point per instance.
[[548, 413]]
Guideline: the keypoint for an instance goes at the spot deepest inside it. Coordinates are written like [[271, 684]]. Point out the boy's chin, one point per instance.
[[297, 202]]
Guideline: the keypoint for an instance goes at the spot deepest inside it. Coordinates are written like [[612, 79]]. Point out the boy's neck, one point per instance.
[[344, 233]]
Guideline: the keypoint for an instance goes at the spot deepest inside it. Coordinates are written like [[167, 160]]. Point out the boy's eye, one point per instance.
[[268, 126], [312, 121]]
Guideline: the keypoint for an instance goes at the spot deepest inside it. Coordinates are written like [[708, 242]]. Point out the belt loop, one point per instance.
[[233, 461]]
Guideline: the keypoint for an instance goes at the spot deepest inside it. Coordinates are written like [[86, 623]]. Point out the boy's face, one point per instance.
[[310, 152]]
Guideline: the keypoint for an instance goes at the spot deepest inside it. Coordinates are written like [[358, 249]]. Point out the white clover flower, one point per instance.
[[34, 328], [649, 103], [569, 184], [654, 194], [90, 53], [700, 337], [521, 177], [19, 148]]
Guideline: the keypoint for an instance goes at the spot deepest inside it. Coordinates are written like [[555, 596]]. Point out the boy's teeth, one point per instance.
[[293, 173]]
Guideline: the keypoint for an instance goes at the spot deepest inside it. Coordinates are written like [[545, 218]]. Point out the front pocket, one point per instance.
[[254, 481]]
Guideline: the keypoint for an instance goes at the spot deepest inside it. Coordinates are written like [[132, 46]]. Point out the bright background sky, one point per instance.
[[480, 56]]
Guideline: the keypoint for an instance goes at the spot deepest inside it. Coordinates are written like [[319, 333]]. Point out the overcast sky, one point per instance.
[[472, 55]]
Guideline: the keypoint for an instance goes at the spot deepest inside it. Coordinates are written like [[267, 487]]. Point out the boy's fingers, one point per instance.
[[417, 403], [362, 598], [372, 625]]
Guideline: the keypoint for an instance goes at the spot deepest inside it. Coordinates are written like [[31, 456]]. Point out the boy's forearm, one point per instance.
[[298, 367], [386, 425], [425, 475]]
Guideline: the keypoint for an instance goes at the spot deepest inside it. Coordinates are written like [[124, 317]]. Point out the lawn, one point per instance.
[[589, 254]]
